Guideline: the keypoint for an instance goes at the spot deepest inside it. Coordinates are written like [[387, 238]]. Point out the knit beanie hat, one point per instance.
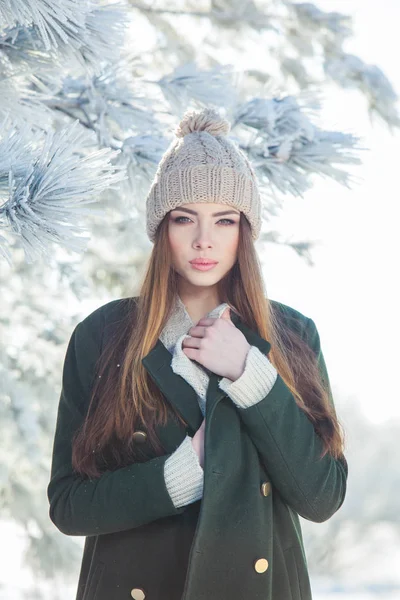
[[202, 165]]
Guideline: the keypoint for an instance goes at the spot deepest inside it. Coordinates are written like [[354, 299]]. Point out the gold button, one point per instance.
[[261, 565], [139, 436], [266, 488], [138, 594]]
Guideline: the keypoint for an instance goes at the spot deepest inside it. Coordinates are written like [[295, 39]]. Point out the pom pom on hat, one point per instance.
[[208, 120]]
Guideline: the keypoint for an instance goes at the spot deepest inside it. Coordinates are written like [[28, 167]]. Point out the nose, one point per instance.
[[203, 237], [202, 242]]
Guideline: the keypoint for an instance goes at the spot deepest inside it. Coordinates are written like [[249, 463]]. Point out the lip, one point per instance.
[[203, 266], [203, 261]]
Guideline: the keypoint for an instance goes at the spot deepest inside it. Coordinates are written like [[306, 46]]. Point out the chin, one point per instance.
[[199, 281]]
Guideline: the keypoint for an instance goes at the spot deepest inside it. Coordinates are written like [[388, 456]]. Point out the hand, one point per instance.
[[218, 345], [198, 442]]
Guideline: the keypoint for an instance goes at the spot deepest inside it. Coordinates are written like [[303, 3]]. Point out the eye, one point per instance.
[[229, 221]]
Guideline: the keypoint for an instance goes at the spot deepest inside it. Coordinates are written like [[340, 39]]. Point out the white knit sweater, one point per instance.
[[183, 473]]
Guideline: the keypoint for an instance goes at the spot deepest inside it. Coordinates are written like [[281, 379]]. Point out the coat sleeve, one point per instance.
[[117, 500], [290, 448]]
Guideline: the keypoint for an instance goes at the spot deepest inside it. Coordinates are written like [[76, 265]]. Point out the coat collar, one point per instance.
[[178, 391]]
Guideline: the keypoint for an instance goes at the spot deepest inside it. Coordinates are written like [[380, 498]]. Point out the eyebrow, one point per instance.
[[217, 214]]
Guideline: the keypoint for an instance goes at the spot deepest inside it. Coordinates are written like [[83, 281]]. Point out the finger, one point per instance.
[[191, 342], [198, 330], [191, 353], [226, 314], [206, 321]]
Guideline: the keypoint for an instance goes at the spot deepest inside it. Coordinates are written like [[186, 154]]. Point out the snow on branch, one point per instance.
[[55, 21], [286, 148], [188, 83], [46, 187], [106, 102], [141, 154], [330, 29], [61, 32], [351, 71], [22, 102], [316, 19]]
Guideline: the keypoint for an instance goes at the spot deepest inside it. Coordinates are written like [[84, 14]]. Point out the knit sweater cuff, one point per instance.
[[255, 382], [184, 475]]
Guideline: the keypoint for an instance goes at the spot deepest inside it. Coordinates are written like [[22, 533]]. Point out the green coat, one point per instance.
[[243, 539]]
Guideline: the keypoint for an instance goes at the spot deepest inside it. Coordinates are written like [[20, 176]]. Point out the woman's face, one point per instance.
[[195, 230]]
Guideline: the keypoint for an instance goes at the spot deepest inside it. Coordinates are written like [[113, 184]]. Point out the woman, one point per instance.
[[196, 420]]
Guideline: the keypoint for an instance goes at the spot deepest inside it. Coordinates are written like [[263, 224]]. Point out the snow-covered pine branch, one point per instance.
[[187, 83], [286, 148], [350, 71], [298, 33], [45, 186], [62, 33]]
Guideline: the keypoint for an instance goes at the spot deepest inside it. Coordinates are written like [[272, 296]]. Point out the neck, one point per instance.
[[198, 304]]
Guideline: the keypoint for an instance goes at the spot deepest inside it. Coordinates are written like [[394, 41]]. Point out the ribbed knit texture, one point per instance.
[[183, 473], [256, 381], [203, 165]]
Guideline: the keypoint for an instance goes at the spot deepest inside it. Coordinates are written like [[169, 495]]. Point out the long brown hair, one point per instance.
[[124, 397]]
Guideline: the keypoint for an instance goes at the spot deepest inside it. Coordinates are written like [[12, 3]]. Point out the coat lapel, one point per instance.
[[178, 391]]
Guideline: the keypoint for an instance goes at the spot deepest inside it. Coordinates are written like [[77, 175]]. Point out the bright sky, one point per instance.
[[352, 293]]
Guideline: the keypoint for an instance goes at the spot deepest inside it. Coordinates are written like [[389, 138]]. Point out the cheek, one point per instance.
[[175, 242], [172, 237], [233, 243]]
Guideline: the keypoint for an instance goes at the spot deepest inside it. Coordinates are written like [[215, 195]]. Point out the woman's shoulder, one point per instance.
[[111, 310], [290, 316], [104, 316]]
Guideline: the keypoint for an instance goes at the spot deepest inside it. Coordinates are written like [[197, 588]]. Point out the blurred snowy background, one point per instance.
[[332, 249]]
